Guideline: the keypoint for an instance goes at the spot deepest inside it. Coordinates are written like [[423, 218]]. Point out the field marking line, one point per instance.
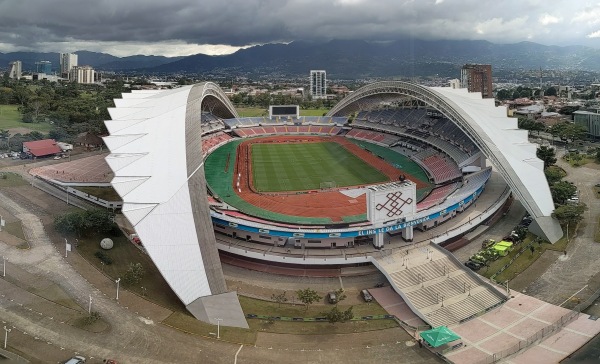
[[236, 354], [573, 295]]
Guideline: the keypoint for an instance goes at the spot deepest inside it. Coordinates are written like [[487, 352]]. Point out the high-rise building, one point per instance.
[[318, 84], [43, 67], [14, 70], [477, 78], [82, 74], [67, 62]]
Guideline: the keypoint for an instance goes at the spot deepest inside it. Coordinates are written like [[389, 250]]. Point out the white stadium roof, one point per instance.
[[156, 156]]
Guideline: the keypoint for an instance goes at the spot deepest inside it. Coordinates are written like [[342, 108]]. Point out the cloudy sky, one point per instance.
[[183, 27]]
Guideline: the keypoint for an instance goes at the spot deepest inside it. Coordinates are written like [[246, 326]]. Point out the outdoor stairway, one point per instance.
[[437, 286]]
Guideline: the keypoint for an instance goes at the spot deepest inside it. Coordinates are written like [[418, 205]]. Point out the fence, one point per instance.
[[538, 336]]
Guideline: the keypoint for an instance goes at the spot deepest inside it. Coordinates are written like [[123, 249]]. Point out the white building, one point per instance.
[[82, 74], [318, 84], [67, 62], [15, 68]]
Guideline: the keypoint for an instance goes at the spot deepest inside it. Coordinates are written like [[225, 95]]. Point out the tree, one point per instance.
[[340, 295], [279, 298], [570, 214], [336, 315], [85, 222], [546, 154], [562, 191], [551, 91], [568, 110], [308, 296], [554, 174], [531, 125], [135, 273]]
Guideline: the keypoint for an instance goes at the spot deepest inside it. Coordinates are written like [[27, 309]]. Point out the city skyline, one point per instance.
[[185, 27]]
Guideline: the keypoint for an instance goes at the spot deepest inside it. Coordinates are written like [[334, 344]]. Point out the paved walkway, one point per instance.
[[566, 277]]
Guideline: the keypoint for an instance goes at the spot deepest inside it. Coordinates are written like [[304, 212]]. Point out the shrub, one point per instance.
[[104, 258]]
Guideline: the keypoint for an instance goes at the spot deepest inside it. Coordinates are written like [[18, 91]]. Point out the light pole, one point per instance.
[[6, 331], [90, 306], [117, 282], [3, 266], [219, 327]]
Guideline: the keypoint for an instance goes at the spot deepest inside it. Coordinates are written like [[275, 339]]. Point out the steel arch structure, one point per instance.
[[156, 155], [496, 136]]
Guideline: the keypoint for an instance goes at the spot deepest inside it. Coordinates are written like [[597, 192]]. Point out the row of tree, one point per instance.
[[71, 108], [566, 213], [567, 132]]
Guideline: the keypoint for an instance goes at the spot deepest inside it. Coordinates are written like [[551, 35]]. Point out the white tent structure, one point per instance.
[[156, 155], [496, 135]]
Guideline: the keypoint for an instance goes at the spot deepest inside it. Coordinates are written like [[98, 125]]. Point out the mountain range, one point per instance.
[[350, 59]]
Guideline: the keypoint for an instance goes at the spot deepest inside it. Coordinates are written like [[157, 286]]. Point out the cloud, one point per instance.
[[546, 19], [595, 34], [218, 26], [590, 16]]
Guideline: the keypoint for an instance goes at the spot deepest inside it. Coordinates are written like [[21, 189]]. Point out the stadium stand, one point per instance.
[[210, 123], [211, 141], [420, 125], [437, 196], [435, 284], [287, 129], [302, 120], [440, 167], [372, 136]]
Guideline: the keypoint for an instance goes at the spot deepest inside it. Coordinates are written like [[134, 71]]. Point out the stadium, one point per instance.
[[394, 169]]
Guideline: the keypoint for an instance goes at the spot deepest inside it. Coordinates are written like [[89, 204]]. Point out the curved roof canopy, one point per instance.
[[156, 155], [496, 135]]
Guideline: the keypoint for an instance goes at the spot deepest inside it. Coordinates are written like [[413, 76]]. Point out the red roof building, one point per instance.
[[41, 148]]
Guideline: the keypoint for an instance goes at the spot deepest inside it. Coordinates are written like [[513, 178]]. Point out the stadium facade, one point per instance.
[[157, 155]]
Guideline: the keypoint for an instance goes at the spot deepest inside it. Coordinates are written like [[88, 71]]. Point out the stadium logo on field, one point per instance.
[[394, 203]]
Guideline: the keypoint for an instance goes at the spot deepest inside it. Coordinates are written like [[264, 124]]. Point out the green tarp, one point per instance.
[[439, 336]]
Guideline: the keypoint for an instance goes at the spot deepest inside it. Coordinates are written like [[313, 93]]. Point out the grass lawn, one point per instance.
[[10, 118], [11, 180], [251, 111], [313, 112], [122, 254], [104, 193], [523, 261], [304, 166], [187, 323]]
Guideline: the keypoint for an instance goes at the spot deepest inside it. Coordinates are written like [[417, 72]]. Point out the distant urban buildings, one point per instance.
[[14, 70], [454, 83], [590, 120], [82, 74], [43, 67], [67, 62], [477, 78], [318, 84]]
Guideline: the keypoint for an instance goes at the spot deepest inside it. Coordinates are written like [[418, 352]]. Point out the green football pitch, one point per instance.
[[308, 166]]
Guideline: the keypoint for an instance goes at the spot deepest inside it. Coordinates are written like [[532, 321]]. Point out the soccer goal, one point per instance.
[[328, 185]]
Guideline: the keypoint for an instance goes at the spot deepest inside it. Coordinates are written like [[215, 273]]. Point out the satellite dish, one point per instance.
[[106, 244]]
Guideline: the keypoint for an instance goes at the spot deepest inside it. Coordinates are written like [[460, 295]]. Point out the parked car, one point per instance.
[[472, 265], [76, 360], [366, 295], [332, 297]]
